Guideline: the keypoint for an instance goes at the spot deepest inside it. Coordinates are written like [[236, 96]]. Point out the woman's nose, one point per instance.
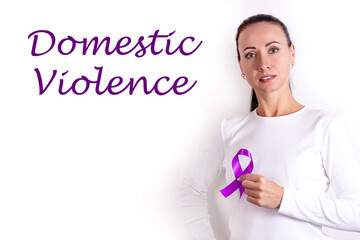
[[263, 62]]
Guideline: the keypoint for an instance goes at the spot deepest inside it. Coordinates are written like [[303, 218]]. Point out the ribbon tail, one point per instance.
[[227, 191], [241, 189]]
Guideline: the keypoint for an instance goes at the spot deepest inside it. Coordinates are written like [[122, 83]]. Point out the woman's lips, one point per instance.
[[267, 78]]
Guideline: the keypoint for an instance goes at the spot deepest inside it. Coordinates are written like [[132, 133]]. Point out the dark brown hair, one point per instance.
[[256, 19]]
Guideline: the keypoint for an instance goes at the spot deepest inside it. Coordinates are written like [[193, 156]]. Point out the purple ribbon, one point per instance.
[[236, 184]]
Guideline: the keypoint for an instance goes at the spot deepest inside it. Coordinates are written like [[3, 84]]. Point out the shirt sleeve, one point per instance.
[[194, 187], [343, 170]]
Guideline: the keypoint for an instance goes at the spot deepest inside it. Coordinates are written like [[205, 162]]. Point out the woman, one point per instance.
[[297, 153]]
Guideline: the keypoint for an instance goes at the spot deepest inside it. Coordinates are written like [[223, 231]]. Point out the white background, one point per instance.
[[108, 167]]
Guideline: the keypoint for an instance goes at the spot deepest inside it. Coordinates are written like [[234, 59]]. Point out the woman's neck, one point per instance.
[[274, 106]]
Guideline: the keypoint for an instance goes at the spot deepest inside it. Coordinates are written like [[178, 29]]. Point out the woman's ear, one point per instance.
[[242, 71], [292, 52]]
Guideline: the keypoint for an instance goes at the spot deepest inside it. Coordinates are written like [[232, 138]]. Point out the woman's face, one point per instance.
[[265, 57]]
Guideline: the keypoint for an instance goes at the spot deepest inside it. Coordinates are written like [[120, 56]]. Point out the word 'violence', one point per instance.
[[114, 86]]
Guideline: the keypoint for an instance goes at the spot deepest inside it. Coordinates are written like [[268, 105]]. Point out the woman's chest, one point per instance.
[[288, 157]]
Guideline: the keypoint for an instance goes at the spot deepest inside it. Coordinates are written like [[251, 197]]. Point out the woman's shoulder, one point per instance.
[[320, 115], [234, 122]]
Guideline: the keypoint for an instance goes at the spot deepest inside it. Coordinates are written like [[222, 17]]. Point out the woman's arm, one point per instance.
[[343, 169], [194, 187]]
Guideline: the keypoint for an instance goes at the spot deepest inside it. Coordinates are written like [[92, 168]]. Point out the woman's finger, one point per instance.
[[252, 193], [252, 177], [253, 200], [250, 184]]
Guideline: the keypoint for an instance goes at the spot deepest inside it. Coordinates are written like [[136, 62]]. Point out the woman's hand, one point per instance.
[[261, 191]]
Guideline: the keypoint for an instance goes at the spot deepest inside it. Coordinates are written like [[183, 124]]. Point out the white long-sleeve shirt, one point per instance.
[[304, 152]]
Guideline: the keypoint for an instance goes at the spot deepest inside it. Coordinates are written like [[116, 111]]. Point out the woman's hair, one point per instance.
[[256, 19]]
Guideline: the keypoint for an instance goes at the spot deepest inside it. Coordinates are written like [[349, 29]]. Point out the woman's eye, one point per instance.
[[250, 55], [274, 50]]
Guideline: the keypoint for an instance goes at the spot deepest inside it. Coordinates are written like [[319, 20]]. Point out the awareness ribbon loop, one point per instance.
[[236, 184]]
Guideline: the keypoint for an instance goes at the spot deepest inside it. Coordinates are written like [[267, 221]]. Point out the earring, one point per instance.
[[243, 76], [292, 65]]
